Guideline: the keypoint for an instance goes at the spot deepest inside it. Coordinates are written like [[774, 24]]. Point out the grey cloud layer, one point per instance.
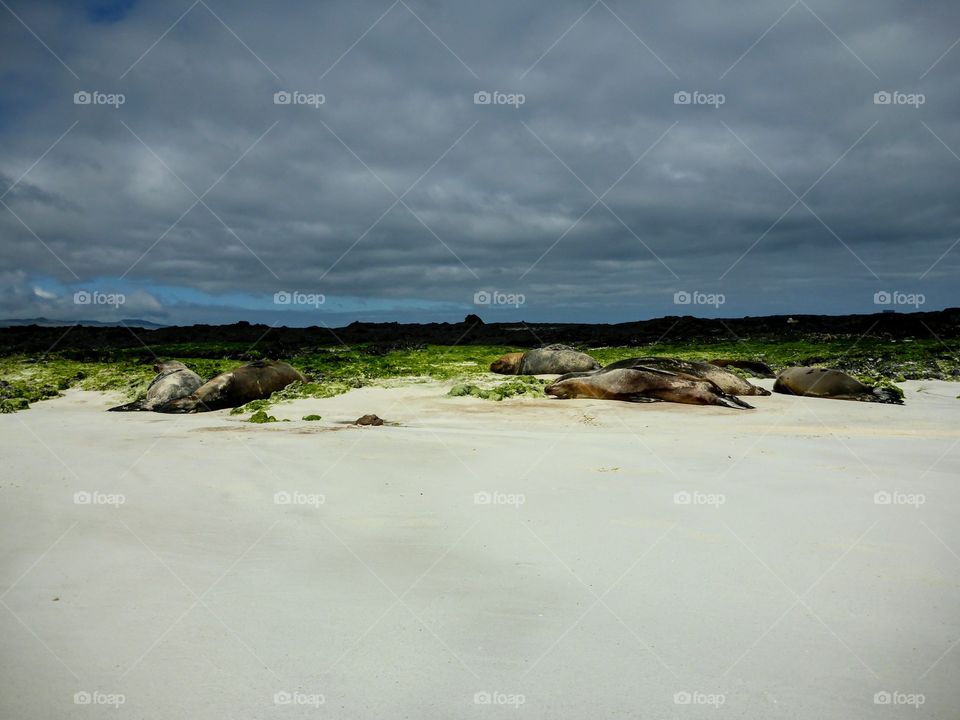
[[680, 218]]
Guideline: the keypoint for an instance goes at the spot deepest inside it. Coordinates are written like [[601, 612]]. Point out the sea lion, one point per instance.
[[723, 379], [253, 381], [174, 380], [827, 383], [640, 384], [552, 359], [754, 367]]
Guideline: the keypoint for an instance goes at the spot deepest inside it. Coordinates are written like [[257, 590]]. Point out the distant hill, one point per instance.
[[46, 322], [98, 339]]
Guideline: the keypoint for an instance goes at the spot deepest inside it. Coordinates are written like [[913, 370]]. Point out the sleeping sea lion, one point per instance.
[[754, 367], [826, 383], [552, 359], [640, 384], [723, 379], [254, 381], [174, 380]]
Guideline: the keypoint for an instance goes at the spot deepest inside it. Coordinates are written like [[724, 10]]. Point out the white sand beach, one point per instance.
[[475, 559]]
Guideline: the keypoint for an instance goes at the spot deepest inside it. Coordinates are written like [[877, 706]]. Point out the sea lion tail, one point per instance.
[[129, 407]]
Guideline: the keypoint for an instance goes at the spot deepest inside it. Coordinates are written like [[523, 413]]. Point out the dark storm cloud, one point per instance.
[[597, 198]]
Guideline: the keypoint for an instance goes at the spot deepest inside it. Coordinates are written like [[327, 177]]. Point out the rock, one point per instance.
[[260, 416], [368, 420]]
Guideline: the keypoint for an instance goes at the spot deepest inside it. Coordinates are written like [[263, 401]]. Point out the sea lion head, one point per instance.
[[164, 367], [509, 364], [561, 389]]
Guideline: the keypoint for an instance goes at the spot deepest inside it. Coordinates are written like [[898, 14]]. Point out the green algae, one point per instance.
[[512, 388]]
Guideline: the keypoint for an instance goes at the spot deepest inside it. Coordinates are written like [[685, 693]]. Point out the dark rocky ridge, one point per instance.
[[284, 341]]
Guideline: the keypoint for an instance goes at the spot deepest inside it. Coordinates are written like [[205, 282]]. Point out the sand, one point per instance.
[[534, 558]]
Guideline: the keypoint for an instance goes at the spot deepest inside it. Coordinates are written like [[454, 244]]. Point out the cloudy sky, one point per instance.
[[418, 160]]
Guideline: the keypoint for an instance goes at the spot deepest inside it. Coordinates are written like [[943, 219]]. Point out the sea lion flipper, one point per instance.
[[638, 398], [129, 407], [732, 401]]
